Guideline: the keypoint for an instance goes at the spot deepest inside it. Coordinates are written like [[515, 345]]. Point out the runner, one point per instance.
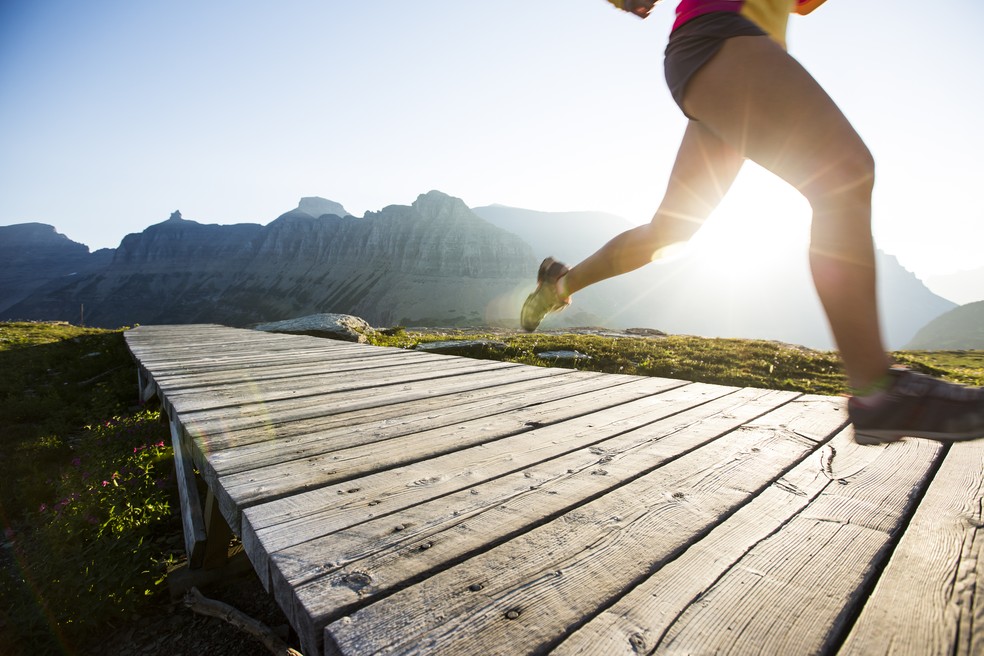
[[727, 68]]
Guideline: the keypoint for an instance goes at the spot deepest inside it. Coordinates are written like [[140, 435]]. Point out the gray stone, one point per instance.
[[335, 326], [559, 356], [460, 346]]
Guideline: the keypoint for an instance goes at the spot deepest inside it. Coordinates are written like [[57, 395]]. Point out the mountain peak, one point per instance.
[[315, 206], [435, 203], [175, 216]]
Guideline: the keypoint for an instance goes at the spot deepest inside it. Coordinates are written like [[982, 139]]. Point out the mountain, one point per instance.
[[315, 207], [431, 262], [764, 295], [962, 287], [434, 262], [958, 329], [34, 255], [575, 234]]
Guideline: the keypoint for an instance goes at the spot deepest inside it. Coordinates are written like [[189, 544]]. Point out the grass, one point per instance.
[[746, 363], [87, 497]]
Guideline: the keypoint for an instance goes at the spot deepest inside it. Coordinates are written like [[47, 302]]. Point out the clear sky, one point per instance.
[[113, 114]]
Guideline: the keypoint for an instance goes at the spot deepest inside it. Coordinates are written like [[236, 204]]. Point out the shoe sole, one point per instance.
[[886, 437]]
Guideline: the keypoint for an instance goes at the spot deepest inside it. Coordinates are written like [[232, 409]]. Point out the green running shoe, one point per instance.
[[545, 298]]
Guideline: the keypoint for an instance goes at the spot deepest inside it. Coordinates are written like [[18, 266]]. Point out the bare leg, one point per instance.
[[703, 172], [762, 102]]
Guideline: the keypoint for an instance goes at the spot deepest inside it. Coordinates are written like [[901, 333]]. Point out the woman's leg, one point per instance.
[[762, 102], [703, 172]]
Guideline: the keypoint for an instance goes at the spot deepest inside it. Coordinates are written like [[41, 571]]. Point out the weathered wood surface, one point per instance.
[[404, 502]]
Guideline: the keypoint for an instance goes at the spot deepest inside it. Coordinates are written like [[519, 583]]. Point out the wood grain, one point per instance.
[[404, 502]]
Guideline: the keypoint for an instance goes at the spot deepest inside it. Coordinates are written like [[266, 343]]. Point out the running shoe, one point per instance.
[[916, 405], [545, 298]]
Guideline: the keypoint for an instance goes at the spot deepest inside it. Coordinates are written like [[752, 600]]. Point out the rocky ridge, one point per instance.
[[433, 261]]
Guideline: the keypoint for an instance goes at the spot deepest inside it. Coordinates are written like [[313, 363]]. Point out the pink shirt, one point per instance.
[[770, 15]]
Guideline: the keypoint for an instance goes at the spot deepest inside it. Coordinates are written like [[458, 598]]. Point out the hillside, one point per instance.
[[959, 329], [431, 262], [35, 254]]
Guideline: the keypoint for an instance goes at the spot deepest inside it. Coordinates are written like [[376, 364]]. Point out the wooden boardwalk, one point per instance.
[[403, 502]]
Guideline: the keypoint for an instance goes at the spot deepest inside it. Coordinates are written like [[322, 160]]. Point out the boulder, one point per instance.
[[334, 326]]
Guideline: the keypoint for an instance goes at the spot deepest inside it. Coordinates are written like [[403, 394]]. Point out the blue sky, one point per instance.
[[115, 113]]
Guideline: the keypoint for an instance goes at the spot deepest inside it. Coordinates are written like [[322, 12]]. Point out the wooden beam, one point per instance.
[[218, 533], [147, 390], [192, 519]]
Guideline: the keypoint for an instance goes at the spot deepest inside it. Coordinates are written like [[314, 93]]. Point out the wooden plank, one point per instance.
[[253, 423], [302, 519], [281, 383], [250, 356], [258, 368], [795, 591], [930, 597], [250, 349], [171, 340], [313, 386], [185, 381], [234, 348], [449, 529], [526, 594], [453, 412], [248, 488], [637, 622]]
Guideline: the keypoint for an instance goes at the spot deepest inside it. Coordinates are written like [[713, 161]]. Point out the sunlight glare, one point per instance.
[[760, 219]]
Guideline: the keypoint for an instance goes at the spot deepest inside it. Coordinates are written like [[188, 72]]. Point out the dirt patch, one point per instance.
[[170, 628]]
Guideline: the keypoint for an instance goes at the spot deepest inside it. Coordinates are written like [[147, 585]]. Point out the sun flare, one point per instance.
[[759, 219]]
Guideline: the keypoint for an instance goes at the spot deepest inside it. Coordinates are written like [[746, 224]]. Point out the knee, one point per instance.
[[844, 183], [841, 227], [668, 227]]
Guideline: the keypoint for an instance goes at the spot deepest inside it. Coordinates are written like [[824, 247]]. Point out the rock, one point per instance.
[[461, 347], [645, 332], [334, 326], [563, 356]]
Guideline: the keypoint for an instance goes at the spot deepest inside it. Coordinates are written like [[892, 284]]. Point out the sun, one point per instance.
[[761, 218]]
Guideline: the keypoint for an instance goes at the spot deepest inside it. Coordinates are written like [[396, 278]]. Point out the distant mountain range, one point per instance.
[[766, 295], [435, 262]]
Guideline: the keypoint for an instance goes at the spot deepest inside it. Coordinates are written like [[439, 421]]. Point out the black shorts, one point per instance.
[[694, 43]]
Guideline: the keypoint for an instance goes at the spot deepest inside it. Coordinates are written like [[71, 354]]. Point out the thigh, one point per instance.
[[765, 105], [704, 169]]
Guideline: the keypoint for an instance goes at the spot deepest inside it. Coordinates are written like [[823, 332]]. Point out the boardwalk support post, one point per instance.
[[145, 386], [217, 532], [191, 507]]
